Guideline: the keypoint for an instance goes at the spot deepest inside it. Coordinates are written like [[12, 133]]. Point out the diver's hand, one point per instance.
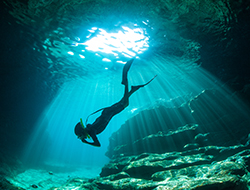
[[95, 143], [84, 141]]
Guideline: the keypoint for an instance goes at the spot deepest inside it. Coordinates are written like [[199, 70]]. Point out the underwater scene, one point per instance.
[[125, 94]]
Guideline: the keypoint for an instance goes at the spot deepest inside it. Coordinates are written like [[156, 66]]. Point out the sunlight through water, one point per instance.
[[172, 88], [125, 42], [175, 117]]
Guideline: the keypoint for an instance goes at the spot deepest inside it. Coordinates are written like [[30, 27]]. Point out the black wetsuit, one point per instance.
[[107, 113]]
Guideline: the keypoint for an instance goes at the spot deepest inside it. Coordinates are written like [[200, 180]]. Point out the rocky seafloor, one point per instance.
[[197, 169], [196, 145]]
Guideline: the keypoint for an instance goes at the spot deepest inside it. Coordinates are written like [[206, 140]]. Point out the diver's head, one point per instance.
[[80, 131]]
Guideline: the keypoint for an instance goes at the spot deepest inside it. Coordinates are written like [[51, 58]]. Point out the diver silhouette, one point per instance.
[[102, 121]]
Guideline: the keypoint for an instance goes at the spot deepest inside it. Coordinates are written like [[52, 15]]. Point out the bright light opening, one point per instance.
[[126, 42], [70, 53], [107, 60], [81, 56]]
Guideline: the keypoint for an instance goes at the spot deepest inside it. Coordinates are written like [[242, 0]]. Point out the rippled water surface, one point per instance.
[[83, 38]]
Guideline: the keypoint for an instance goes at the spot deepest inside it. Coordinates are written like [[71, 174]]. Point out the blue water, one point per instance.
[[55, 75]]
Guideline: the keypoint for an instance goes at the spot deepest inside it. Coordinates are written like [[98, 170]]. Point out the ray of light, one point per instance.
[[54, 140]]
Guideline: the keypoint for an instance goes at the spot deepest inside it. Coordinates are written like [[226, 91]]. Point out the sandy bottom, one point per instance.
[[44, 179]]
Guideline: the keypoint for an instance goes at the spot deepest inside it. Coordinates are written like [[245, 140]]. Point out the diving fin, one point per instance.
[[139, 86], [125, 71]]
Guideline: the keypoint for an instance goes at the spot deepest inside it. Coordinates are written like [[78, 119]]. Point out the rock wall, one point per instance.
[[211, 118]]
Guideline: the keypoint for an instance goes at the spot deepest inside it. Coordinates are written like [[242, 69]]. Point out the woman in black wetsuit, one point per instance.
[[107, 113]]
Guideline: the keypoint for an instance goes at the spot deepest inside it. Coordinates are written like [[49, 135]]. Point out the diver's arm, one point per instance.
[[95, 143]]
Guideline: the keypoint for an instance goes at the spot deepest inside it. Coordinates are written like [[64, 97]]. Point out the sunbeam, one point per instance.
[[54, 140]]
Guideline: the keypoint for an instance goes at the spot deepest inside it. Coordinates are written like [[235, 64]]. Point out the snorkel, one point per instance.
[[84, 129]]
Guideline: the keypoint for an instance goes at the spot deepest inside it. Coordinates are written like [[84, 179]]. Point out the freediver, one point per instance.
[[102, 121]]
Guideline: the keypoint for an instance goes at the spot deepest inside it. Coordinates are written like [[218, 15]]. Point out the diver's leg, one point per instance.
[[135, 88]]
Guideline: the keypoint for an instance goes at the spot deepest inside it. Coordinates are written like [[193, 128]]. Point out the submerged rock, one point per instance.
[[34, 186], [196, 122], [193, 170]]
